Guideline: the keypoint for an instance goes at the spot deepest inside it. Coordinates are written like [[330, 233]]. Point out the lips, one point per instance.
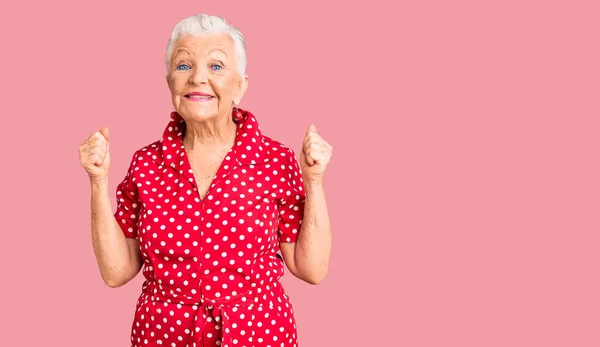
[[198, 96]]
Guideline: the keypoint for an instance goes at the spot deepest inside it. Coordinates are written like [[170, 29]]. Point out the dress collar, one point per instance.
[[249, 148]]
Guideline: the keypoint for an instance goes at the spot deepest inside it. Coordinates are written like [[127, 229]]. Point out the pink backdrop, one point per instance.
[[464, 188]]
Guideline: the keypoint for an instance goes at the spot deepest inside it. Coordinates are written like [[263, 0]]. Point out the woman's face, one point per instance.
[[203, 78]]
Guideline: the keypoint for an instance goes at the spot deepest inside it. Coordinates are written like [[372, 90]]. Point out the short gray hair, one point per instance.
[[202, 24]]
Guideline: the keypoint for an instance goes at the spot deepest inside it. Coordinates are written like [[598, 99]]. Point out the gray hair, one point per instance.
[[203, 24]]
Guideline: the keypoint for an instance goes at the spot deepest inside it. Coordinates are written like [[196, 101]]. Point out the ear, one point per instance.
[[240, 90]]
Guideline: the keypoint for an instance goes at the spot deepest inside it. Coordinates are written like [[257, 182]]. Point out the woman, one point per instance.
[[207, 208]]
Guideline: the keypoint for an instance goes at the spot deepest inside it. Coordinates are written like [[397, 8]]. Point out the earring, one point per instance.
[[236, 114]]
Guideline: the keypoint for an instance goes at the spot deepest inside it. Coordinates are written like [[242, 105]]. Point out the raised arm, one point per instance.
[[306, 232], [308, 257], [118, 256]]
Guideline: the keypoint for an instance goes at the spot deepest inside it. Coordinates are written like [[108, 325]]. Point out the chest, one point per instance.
[[237, 217], [205, 166], [204, 175]]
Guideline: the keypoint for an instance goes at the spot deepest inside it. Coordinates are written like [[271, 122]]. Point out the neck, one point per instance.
[[213, 133]]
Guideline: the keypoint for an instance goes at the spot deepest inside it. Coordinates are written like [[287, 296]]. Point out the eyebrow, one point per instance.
[[177, 56], [181, 51]]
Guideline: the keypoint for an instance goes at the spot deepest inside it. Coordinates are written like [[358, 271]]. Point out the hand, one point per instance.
[[315, 155], [94, 155]]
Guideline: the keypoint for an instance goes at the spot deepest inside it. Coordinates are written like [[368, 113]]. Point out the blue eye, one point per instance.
[[181, 67], [214, 66]]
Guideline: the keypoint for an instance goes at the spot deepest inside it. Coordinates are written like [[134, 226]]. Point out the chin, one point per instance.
[[199, 114]]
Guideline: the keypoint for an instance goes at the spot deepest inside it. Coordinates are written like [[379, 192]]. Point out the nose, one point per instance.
[[200, 75]]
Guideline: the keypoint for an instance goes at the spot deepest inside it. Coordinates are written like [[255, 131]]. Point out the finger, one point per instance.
[[98, 153], [98, 158], [319, 157], [99, 141], [105, 134], [314, 146], [94, 159], [311, 129], [101, 159], [98, 147], [313, 137], [309, 159], [321, 146]]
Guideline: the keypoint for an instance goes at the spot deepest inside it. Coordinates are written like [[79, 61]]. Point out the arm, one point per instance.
[[118, 257], [308, 257]]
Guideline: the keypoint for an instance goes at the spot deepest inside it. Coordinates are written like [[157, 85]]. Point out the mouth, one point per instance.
[[201, 97]]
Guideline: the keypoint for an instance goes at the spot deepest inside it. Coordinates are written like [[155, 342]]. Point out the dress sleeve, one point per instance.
[[128, 205], [291, 205]]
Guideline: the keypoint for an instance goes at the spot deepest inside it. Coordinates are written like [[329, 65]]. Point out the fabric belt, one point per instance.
[[215, 308]]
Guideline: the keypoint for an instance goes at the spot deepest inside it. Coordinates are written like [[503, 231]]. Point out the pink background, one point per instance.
[[464, 188]]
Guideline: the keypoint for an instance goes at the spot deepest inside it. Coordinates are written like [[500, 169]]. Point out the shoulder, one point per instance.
[[284, 161], [151, 152], [279, 152], [285, 166], [143, 156]]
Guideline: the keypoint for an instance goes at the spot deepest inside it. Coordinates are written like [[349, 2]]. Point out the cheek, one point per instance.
[[223, 87], [176, 85]]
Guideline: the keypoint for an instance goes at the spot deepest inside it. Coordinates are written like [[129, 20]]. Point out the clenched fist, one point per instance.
[[315, 155], [94, 155]]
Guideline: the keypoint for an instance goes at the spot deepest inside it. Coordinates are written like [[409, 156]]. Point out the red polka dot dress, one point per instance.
[[212, 268]]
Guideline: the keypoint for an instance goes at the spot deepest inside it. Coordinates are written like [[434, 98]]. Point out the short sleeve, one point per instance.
[[291, 205], [128, 205]]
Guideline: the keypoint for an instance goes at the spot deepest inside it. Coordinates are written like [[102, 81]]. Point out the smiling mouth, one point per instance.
[[198, 97]]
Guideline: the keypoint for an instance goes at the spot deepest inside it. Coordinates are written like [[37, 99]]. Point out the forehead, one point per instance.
[[205, 44]]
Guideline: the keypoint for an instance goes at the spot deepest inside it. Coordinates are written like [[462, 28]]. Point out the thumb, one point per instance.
[[104, 132], [311, 129]]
